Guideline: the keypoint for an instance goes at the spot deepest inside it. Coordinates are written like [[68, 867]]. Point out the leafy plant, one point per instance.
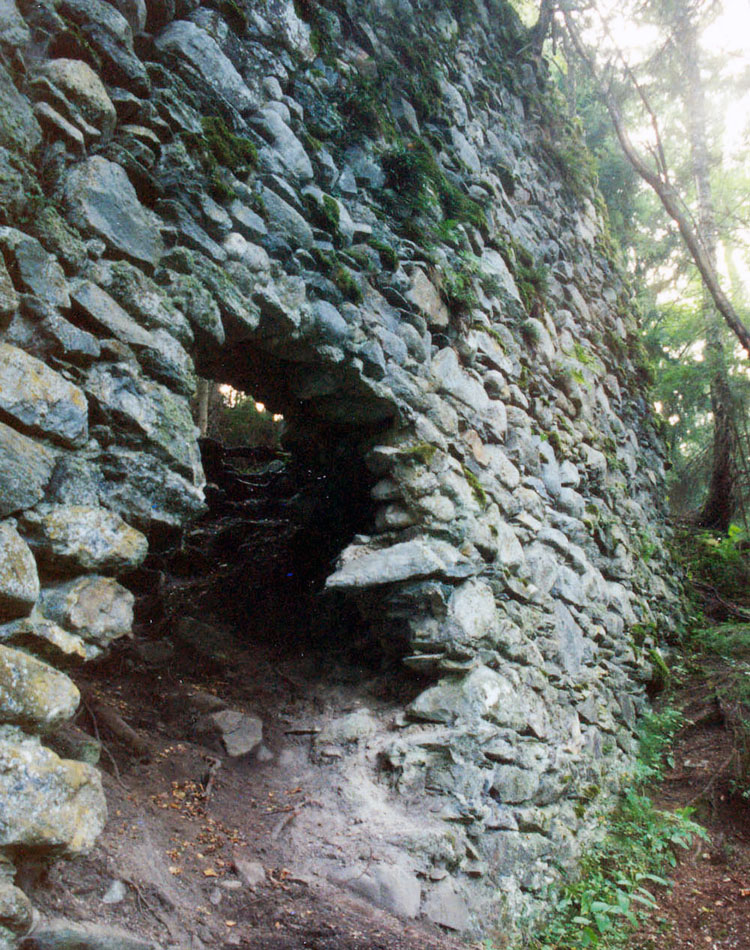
[[324, 214], [420, 185], [458, 284], [347, 284], [217, 147], [614, 890]]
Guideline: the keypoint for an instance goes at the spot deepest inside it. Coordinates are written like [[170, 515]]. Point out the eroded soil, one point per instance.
[[182, 822]]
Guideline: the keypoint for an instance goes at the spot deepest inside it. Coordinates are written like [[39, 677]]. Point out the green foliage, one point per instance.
[[530, 332], [531, 278], [410, 170], [458, 284], [324, 214], [419, 74], [419, 185], [614, 891], [717, 561], [321, 22], [325, 260], [331, 266], [361, 105], [490, 331], [574, 162], [648, 545], [583, 354], [730, 641], [233, 151], [219, 187]]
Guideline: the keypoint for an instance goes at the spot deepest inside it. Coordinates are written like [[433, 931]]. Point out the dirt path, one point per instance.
[[708, 907], [196, 856]]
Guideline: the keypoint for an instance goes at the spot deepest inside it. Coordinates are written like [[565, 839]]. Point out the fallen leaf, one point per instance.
[[209, 872]]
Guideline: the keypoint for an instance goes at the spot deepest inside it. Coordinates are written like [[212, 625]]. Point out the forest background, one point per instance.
[[661, 89]]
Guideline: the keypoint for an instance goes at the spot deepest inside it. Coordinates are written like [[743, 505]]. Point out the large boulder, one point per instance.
[[36, 270], [33, 694], [25, 469], [140, 409], [408, 560], [81, 85], [285, 154], [40, 400], [97, 609], [9, 298], [146, 492], [77, 538], [486, 694], [158, 351], [19, 582], [47, 804], [13, 28], [101, 201], [44, 638], [109, 34], [19, 130], [62, 934], [201, 51]]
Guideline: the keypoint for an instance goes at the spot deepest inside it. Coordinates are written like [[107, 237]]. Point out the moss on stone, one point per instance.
[[423, 452], [476, 486], [233, 151], [326, 260], [324, 214], [347, 284], [217, 147], [388, 256], [419, 184]]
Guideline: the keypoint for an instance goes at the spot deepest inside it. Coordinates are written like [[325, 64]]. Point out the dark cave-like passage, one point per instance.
[[257, 560]]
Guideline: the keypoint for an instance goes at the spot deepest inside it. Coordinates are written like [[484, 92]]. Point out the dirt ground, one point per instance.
[[708, 906], [201, 850], [183, 819]]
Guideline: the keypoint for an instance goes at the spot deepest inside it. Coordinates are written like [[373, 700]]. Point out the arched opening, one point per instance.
[[287, 489]]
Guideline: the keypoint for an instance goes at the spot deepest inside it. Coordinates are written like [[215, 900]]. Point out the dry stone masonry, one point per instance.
[[373, 215]]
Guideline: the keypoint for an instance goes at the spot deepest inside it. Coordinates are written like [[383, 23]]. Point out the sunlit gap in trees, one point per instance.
[[620, 35], [233, 397]]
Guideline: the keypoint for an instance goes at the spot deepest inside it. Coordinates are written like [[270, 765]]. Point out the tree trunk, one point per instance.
[[541, 28], [721, 500], [202, 398]]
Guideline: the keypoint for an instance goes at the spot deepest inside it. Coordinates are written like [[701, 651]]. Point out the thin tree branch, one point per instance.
[[666, 193]]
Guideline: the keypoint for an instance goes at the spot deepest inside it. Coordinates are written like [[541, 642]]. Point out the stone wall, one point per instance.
[[375, 217]]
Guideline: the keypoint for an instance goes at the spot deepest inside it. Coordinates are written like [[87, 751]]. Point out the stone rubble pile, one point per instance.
[[377, 222]]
